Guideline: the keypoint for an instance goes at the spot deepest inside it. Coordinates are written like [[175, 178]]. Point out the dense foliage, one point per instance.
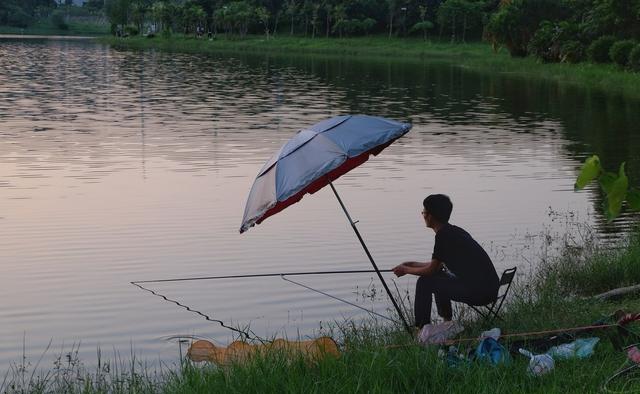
[[567, 30], [620, 52], [598, 51], [21, 13]]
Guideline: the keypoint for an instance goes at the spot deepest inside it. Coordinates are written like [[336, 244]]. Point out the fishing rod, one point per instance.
[[257, 276]]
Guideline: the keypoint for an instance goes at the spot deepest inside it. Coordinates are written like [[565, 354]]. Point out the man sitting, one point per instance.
[[469, 276]]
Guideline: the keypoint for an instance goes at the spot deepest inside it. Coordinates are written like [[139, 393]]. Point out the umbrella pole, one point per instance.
[[373, 263]]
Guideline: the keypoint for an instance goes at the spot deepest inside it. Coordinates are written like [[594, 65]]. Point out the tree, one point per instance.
[[424, 24], [291, 9], [315, 19], [392, 8], [327, 6], [193, 16], [263, 16], [117, 12], [516, 21], [340, 19], [138, 13], [306, 12], [460, 15], [236, 16], [163, 13]]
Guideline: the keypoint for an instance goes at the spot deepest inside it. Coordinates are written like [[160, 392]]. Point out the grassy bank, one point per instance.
[[478, 56], [552, 297], [48, 29]]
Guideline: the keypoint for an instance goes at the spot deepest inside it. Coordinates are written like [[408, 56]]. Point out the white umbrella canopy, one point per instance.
[[315, 157]]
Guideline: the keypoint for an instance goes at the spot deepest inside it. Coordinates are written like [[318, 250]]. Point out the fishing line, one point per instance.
[[336, 298], [282, 275], [206, 317]]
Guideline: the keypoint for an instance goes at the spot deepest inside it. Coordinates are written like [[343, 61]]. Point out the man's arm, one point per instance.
[[417, 268]]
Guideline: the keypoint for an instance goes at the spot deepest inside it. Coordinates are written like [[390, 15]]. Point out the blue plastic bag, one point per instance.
[[489, 349]]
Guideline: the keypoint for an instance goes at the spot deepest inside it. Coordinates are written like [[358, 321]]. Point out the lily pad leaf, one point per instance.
[[590, 171], [633, 199], [617, 194]]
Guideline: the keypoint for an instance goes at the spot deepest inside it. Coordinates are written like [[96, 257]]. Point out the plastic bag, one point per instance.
[[489, 349], [580, 348], [439, 333], [539, 364]]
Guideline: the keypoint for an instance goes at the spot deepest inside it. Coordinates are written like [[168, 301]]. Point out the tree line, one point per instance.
[[459, 19], [551, 30]]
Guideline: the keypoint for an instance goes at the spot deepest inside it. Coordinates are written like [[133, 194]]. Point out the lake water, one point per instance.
[[120, 166]]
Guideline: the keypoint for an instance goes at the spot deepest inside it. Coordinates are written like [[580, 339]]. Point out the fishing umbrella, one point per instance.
[[313, 159]]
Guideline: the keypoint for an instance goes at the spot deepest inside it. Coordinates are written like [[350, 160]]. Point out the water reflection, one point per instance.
[[119, 166]]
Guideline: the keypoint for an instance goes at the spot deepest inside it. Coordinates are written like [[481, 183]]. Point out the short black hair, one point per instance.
[[438, 205]]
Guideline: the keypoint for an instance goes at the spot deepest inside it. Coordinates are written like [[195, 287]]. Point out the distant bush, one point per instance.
[[634, 58], [620, 51], [555, 42], [58, 21], [131, 30], [515, 23], [543, 43], [572, 51], [598, 51]]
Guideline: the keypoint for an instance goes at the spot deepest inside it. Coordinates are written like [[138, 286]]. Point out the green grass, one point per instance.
[[382, 359], [548, 300], [478, 56], [47, 29], [603, 269]]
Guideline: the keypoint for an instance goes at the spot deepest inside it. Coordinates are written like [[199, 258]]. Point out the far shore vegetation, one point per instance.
[[591, 43], [377, 358]]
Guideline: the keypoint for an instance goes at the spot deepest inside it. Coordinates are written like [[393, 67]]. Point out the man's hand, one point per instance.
[[400, 270]]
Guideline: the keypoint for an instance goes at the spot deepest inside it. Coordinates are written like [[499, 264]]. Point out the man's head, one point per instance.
[[437, 209]]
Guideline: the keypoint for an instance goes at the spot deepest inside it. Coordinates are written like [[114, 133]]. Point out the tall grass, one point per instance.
[[68, 374]]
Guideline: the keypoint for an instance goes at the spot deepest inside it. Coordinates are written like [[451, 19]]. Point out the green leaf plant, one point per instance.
[[615, 187]]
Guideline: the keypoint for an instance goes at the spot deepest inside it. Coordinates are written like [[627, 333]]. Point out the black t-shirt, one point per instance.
[[465, 258]]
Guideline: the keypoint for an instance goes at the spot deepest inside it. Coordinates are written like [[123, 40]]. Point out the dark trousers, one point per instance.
[[446, 288]]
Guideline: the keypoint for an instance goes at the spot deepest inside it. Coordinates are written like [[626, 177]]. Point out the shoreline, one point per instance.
[[478, 56], [45, 37]]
